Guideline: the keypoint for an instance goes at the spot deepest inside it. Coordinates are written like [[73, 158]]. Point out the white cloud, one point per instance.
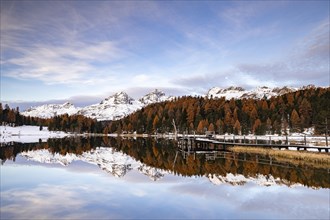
[[140, 78], [306, 63], [42, 202], [113, 46], [64, 64]]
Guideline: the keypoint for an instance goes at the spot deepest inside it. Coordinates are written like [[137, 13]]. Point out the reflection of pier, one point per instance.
[[244, 157], [212, 155], [210, 144], [6, 144]]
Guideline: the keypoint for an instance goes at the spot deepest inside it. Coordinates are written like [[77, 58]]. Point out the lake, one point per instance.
[[103, 178]]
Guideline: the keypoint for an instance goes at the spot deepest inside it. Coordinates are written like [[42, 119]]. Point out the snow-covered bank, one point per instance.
[[28, 134]]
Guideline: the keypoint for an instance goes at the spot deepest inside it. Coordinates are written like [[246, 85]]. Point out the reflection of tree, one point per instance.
[[161, 153]]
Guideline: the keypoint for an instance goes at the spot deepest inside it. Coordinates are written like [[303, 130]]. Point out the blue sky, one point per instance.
[[84, 51]]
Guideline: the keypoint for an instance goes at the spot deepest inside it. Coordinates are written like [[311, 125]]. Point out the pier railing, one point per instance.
[[220, 142]]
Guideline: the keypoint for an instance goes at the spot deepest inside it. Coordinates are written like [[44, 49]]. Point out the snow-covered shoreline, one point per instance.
[[28, 134], [32, 134]]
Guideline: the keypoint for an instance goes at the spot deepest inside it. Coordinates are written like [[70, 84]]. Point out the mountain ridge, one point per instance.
[[120, 104], [113, 107]]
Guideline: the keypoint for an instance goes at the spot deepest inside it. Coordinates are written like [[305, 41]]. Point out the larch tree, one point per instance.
[[237, 128], [211, 127], [295, 121]]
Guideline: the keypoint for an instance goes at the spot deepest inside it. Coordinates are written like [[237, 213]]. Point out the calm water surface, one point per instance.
[[147, 178]]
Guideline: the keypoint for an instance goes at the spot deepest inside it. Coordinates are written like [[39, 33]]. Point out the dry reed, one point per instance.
[[315, 159]]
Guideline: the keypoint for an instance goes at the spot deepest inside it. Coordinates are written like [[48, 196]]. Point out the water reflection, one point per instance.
[[146, 178], [158, 157]]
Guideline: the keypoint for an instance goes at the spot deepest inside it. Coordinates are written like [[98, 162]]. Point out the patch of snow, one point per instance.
[[28, 134]]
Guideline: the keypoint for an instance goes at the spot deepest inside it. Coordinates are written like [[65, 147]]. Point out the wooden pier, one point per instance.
[[211, 144]]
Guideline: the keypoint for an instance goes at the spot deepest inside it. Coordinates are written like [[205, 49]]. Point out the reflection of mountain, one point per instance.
[[154, 173], [119, 164], [239, 179], [108, 159]]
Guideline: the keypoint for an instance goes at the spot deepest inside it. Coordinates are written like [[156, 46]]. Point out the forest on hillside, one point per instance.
[[72, 123], [291, 112]]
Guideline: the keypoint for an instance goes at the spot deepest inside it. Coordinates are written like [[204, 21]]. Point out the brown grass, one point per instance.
[[315, 159]]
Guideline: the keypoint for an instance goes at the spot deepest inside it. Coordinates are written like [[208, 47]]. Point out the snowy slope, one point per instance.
[[27, 134], [240, 93], [111, 161], [50, 110]]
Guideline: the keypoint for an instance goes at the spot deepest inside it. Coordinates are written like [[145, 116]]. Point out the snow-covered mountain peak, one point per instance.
[[67, 104], [51, 110], [283, 90], [153, 97], [114, 107], [310, 86], [214, 90], [240, 93], [118, 98], [228, 93], [233, 88]]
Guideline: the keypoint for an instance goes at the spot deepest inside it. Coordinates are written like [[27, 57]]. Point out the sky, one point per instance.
[[85, 51]]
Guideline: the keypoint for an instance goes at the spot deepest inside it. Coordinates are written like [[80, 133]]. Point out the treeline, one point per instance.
[[292, 112], [14, 118], [73, 123]]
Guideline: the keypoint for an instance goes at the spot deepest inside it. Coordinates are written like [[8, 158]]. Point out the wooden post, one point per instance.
[[305, 140], [234, 139], [244, 139], [326, 132], [270, 140], [256, 139], [326, 141], [286, 141]]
